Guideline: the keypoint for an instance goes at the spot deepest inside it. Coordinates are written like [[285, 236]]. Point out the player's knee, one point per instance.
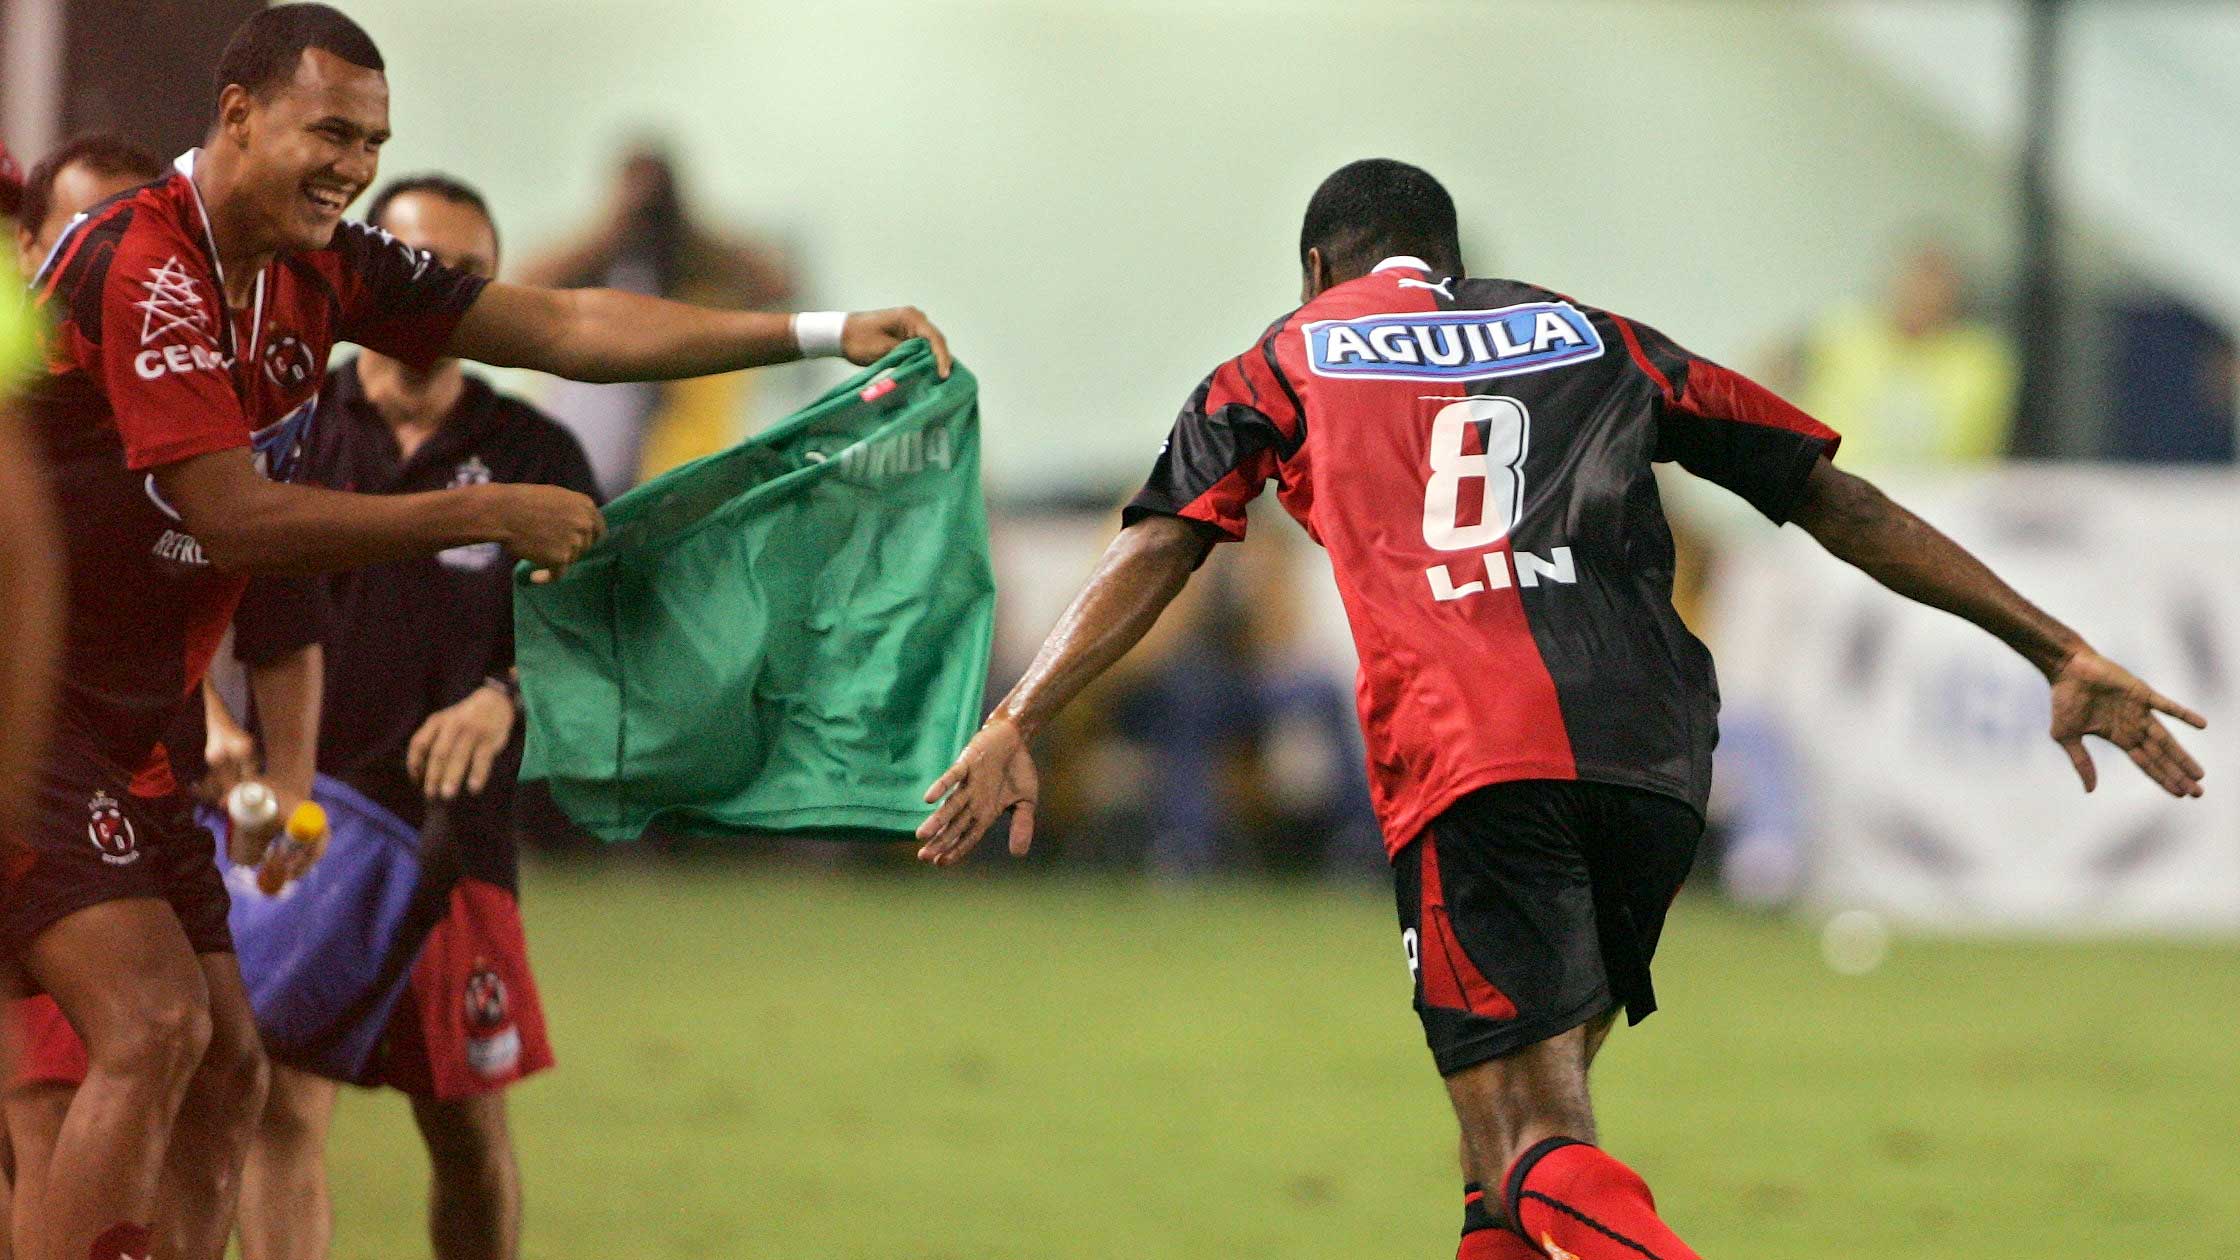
[[160, 1039], [237, 1076], [295, 1116]]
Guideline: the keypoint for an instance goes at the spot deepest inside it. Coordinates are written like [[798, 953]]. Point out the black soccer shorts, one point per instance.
[[92, 841], [1530, 908]]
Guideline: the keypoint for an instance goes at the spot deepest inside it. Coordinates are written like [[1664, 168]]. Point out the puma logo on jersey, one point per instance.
[[1452, 345]]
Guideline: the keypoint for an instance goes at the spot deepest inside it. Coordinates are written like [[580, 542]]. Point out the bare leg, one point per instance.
[[202, 1171], [34, 1116], [1527, 1118], [128, 981], [1509, 1105], [474, 1193], [1538, 1093], [286, 1213]]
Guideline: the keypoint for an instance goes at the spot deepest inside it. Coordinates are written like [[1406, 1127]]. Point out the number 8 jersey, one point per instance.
[[1475, 456]]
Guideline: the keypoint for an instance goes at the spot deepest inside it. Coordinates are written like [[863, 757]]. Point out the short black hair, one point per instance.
[[102, 152], [1373, 209], [265, 50], [435, 184]]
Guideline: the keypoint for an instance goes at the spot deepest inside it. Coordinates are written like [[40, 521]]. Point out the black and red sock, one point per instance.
[[1573, 1202], [1483, 1238]]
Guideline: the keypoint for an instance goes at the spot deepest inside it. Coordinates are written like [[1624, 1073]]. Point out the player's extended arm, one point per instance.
[[289, 693], [610, 335], [2092, 695], [1140, 574], [245, 522]]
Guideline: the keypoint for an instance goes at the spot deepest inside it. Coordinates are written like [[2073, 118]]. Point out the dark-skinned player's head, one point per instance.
[[71, 180], [303, 109], [1369, 211]]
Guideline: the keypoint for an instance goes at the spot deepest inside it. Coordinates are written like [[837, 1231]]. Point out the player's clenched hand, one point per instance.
[[548, 526], [231, 755], [455, 747], [992, 777], [868, 335], [2093, 695]]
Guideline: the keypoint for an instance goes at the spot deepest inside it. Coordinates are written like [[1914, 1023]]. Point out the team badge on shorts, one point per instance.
[[493, 1043], [110, 831]]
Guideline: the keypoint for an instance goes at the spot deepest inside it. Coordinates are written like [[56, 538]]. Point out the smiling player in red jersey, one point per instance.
[[193, 320], [1475, 456]]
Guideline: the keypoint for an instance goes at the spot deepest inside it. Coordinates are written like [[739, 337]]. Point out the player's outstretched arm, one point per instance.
[[1140, 574], [610, 335], [246, 522], [2092, 695]]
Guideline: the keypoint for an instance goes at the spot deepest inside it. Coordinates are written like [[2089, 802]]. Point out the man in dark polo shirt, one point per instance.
[[419, 715]]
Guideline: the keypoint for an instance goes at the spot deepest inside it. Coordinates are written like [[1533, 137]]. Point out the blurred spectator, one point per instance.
[[649, 241], [1232, 741], [1914, 381], [11, 183]]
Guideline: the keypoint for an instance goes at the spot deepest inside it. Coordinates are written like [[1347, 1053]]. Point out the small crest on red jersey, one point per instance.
[[110, 831], [288, 362]]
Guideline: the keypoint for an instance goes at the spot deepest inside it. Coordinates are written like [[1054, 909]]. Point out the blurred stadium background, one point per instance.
[[1992, 241]]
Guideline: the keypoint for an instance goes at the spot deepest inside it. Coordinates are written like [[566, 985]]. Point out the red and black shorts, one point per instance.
[[1530, 908], [470, 1022], [92, 841]]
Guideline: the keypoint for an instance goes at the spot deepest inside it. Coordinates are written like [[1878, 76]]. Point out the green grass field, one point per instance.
[[775, 1062]]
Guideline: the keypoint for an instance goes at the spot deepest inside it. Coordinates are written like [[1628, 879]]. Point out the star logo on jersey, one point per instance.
[[110, 831], [174, 303]]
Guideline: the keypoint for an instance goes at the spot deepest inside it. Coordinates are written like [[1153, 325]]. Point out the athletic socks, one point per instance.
[[1576, 1203], [1482, 1237], [123, 1242]]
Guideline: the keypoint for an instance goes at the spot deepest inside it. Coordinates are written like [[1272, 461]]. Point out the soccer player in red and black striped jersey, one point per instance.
[[1476, 457], [193, 320]]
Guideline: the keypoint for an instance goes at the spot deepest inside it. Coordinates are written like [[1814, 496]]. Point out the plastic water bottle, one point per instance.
[[253, 809], [303, 842]]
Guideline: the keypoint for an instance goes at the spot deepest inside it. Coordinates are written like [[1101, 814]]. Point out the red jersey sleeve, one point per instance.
[[396, 299], [1232, 436], [1726, 428], [143, 321]]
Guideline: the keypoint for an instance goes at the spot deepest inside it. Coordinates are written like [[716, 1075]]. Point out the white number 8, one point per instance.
[[1508, 431]]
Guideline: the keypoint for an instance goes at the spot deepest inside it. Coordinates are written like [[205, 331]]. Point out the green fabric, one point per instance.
[[792, 634]]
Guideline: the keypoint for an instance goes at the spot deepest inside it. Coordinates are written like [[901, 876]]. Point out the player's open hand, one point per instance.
[[993, 776], [456, 747], [548, 526], [868, 335], [2093, 695]]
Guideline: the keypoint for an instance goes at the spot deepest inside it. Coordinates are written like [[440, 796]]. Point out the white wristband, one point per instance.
[[817, 333]]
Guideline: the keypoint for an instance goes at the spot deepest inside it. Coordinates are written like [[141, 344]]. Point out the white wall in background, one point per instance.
[[1101, 198]]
